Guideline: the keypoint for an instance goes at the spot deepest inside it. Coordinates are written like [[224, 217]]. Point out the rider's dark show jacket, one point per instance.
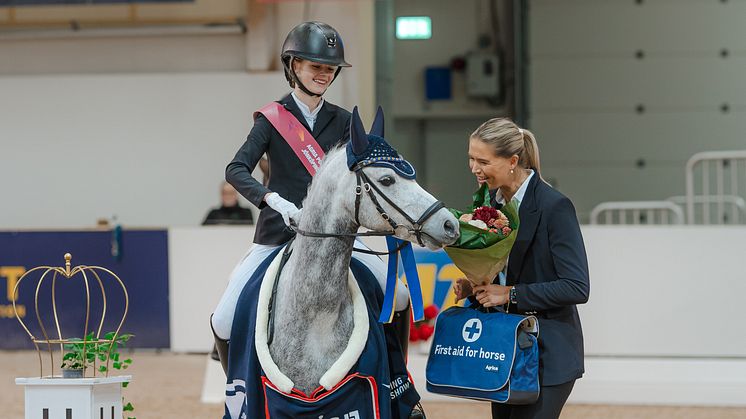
[[288, 177]]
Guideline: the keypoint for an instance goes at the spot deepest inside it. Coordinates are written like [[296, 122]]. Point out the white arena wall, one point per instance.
[[662, 326], [148, 148]]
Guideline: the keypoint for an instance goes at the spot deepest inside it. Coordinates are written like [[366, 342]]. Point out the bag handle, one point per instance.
[[529, 328], [476, 306]]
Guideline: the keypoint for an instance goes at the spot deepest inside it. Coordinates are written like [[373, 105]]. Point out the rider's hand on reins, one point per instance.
[[287, 209]]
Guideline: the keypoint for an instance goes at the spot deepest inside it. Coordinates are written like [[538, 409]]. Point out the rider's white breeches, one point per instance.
[[222, 319]]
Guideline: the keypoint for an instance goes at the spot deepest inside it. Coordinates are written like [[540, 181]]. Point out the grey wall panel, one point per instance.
[[670, 137], [448, 176], [438, 150], [588, 185], [405, 138], [594, 157], [619, 84], [620, 27], [598, 109]]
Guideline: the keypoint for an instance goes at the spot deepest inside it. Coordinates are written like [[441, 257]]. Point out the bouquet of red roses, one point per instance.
[[487, 235], [488, 218]]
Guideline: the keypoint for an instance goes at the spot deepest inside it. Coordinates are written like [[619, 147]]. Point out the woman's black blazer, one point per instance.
[[549, 269]]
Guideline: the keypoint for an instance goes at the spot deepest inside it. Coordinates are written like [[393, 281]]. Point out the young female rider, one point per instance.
[[312, 56]]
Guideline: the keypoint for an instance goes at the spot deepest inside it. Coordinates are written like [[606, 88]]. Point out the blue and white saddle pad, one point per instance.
[[377, 386], [491, 356]]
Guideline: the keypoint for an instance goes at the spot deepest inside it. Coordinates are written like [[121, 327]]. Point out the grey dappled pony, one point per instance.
[[314, 317]]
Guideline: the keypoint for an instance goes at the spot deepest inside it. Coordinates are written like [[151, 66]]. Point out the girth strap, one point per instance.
[[273, 297]]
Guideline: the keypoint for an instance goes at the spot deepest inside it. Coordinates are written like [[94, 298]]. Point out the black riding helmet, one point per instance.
[[312, 41]]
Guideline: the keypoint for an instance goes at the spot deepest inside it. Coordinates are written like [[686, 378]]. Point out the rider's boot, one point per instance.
[[214, 354], [221, 348]]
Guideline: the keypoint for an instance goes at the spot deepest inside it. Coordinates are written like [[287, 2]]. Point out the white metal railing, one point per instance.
[[667, 211], [726, 170], [736, 203]]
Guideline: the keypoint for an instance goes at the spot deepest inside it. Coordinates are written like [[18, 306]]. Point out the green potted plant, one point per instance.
[[82, 353], [73, 365]]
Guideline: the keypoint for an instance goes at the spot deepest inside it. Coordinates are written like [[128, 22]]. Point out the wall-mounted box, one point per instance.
[[438, 83], [482, 74]]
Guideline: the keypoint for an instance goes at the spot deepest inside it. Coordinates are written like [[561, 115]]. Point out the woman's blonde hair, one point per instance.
[[509, 140]]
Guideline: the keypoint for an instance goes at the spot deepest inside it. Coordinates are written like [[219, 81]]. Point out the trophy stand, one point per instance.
[[51, 396]]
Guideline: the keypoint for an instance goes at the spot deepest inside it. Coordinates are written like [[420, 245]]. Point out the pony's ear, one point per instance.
[[377, 128], [358, 137]]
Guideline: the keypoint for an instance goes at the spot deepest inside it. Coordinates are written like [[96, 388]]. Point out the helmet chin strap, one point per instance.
[[297, 81], [303, 88]]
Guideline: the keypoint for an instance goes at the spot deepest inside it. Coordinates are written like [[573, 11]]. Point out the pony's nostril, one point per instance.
[[450, 228]]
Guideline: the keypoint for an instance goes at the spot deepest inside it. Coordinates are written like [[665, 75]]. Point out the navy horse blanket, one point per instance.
[[375, 386]]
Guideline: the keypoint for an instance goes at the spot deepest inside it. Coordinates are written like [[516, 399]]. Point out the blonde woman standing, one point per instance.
[[547, 271]]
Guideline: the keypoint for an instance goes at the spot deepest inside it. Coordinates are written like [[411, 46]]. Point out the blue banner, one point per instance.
[[138, 257]]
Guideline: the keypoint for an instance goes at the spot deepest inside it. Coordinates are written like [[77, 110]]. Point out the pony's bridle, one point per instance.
[[364, 184]]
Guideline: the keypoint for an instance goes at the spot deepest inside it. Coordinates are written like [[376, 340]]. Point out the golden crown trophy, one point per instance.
[[85, 389]]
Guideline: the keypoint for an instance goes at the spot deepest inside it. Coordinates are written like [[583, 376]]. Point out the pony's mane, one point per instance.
[[332, 155]]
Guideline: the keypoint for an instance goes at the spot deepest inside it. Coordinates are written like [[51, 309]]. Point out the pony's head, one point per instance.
[[388, 196]]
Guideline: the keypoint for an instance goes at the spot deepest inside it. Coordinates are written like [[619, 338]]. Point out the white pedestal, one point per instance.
[[213, 386], [73, 398]]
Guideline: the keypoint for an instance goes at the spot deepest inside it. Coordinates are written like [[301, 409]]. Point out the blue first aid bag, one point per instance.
[[491, 356]]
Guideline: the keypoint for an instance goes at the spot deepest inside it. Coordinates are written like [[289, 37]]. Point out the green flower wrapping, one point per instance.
[[480, 254]]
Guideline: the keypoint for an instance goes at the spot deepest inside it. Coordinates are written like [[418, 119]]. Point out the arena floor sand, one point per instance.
[[168, 386]]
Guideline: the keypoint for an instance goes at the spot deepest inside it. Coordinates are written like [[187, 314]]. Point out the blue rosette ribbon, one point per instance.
[[413, 281]]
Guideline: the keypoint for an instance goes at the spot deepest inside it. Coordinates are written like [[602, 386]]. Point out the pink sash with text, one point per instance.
[[295, 134]]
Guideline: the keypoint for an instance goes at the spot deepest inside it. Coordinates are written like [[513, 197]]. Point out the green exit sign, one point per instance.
[[414, 27]]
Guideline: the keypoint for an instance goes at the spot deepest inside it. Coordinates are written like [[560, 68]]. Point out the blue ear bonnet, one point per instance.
[[379, 153]]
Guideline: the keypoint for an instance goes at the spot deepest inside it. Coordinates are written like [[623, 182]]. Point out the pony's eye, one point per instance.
[[387, 181]]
